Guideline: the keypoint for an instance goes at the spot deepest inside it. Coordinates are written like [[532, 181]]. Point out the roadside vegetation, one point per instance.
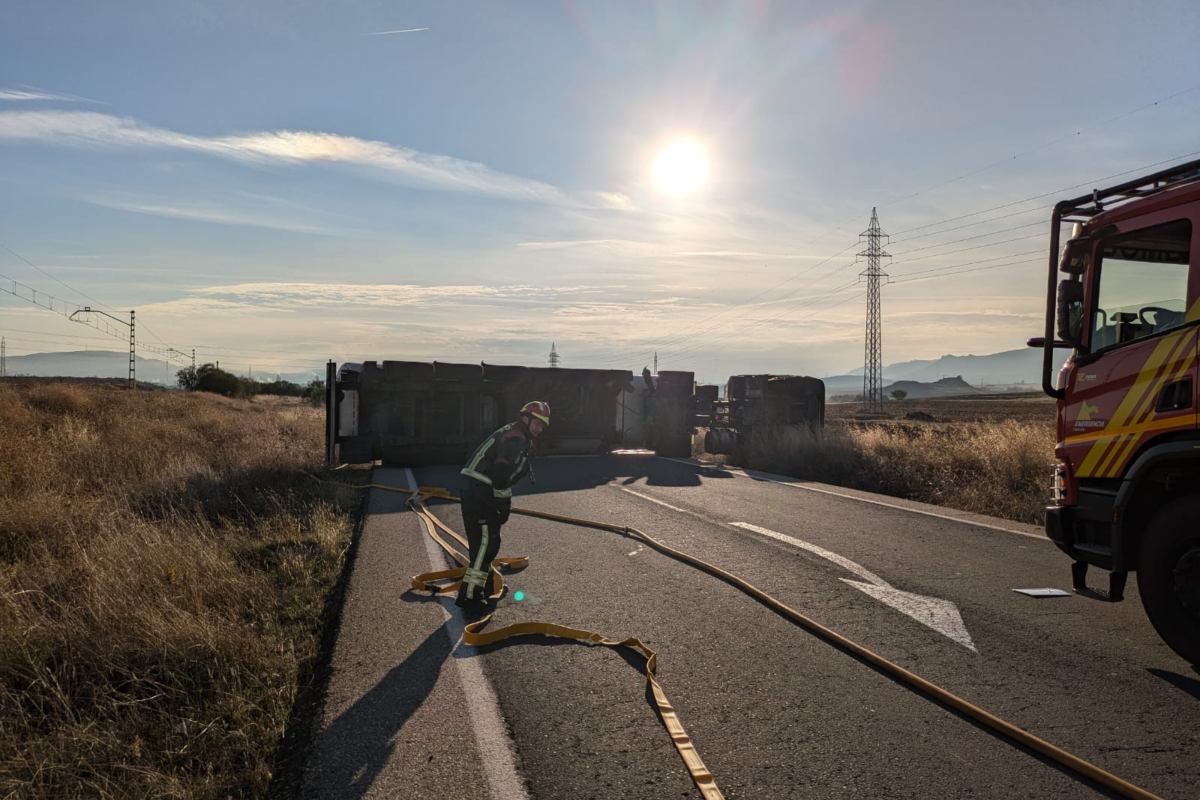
[[1001, 468], [167, 570], [211, 378]]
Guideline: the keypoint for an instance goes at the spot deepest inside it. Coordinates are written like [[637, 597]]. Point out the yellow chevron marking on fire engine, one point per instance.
[[1115, 451], [1120, 455], [1129, 430], [1106, 440], [1194, 312]]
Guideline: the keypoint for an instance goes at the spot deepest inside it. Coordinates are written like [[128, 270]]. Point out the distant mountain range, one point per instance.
[[1011, 368], [110, 364]]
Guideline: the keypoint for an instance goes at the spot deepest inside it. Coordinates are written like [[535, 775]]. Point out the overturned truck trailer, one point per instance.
[[764, 403], [419, 413]]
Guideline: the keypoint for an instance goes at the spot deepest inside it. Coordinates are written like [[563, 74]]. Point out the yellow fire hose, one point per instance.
[[474, 636], [700, 775]]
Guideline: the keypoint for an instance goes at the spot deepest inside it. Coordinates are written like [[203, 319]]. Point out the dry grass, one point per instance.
[[981, 408], [1001, 468], [164, 570]]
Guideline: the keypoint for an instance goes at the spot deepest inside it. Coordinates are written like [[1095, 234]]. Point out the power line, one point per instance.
[[704, 324], [1050, 143], [752, 324], [702, 342], [974, 269], [1053, 192], [1038, 223], [691, 330], [977, 223], [701, 328], [979, 247], [51, 277]]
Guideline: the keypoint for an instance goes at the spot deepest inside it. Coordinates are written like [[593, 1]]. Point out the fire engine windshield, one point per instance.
[[1143, 284]]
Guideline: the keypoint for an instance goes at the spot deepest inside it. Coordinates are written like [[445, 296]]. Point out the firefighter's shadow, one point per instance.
[[358, 744]]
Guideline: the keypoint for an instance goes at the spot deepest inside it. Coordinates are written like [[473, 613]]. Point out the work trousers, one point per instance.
[[483, 520]]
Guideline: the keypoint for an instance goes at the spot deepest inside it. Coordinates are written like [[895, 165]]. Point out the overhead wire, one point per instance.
[[1049, 143], [1038, 223], [753, 324], [693, 329], [8, 249], [1054, 192]]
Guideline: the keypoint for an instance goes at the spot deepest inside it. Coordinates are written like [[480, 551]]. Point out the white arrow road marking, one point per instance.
[[941, 615], [932, 612]]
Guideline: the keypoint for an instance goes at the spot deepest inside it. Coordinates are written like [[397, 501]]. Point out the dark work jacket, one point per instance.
[[500, 461]]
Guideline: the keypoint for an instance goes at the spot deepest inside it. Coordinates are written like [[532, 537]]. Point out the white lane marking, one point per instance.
[[496, 748], [940, 615], [763, 476], [932, 612], [664, 504], [828, 555]]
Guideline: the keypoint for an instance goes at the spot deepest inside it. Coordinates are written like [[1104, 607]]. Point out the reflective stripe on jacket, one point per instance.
[[501, 460]]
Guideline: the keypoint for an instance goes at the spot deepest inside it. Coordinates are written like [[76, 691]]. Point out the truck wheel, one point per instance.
[[1169, 576]]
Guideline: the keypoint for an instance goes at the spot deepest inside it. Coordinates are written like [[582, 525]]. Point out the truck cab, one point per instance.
[[1124, 299]]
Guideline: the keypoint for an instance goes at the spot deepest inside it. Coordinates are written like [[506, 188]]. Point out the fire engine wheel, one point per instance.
[[1169, 576]]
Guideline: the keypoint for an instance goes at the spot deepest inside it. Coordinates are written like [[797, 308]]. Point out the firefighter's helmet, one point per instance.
[[538, 409]]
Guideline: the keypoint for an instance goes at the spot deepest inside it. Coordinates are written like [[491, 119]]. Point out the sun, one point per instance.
[[681, 168]]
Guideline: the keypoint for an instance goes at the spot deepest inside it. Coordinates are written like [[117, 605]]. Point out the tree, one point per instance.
[[315, 392], [211, 378], [899, 394], [187, 378]]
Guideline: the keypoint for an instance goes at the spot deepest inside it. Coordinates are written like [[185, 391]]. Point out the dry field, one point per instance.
[[990, 455], [982, 408], [167, 571]]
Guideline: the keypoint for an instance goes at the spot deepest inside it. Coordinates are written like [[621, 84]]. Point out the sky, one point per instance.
[[280, 183]]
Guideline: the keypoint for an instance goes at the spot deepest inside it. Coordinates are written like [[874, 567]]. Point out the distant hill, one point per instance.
[[946, 387], [1008, 368], [110, 364], [88, 364]]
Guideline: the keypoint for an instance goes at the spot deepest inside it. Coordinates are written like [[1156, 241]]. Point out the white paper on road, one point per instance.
[[933, 612], [1043, 592]]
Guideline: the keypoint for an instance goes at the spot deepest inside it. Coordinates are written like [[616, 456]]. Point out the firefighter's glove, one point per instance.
[[503, 509]]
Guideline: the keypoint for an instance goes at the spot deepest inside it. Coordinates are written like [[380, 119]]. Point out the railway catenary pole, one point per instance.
[[873, 347], [132, 339]]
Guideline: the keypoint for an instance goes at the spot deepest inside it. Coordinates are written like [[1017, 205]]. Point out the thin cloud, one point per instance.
[[213, 214], [297, 295], [570, 243], [379, 159], [402, 30], [744, 254], [30, 94]]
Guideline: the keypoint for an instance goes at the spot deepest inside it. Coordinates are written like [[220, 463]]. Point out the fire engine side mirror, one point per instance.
[[1070, 311]]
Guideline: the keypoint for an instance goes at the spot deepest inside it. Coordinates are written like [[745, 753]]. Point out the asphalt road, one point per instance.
[[774, 712]]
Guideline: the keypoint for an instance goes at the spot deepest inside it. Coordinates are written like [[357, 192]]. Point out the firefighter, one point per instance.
[[488, 477]]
